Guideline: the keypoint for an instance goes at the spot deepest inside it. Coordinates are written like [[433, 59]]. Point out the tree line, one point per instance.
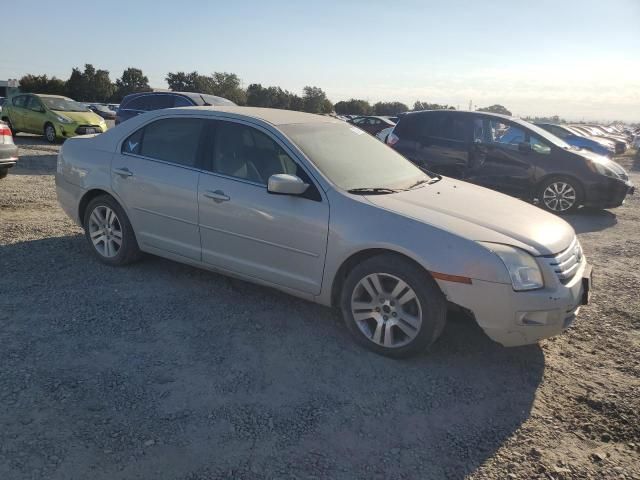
[[95, 85]]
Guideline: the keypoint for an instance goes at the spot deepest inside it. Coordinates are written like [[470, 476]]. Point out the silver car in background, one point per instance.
[[317, 208]]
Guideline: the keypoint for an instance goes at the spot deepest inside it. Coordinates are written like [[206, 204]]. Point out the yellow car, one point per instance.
[[53, 116]]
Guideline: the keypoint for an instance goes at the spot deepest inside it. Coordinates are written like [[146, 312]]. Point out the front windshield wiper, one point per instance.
[[374, 190]]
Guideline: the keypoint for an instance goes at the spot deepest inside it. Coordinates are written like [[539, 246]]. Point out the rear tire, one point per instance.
[[560, 195], [392, 306], [3, 173], [109, 232]]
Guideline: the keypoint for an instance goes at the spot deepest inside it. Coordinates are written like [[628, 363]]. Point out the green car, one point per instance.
[[53, 116]]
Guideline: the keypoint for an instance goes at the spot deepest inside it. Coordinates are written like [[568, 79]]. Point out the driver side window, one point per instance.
[[243, 152], [34, 104]]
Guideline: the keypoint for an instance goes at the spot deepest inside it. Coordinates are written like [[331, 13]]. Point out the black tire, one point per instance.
[[128, 251], [3, 173], [548, 204], [47, 136], [431, 302]]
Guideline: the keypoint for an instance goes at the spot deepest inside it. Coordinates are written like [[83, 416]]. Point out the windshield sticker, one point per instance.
[[357, 130]]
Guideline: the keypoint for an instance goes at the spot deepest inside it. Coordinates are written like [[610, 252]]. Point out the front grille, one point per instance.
[[566, 263], [82, 129]]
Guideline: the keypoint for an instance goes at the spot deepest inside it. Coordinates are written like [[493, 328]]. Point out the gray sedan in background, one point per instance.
[[317, 208]]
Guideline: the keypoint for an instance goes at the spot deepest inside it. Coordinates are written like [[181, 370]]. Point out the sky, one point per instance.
[[579, 59]]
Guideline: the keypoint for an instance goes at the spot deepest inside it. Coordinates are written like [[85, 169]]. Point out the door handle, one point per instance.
[[217, 196], [123, 172]]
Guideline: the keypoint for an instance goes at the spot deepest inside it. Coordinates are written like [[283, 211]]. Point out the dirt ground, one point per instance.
[[162, 371]]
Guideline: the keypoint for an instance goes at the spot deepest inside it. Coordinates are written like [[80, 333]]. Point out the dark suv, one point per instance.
[[512, 156], [137, 103]]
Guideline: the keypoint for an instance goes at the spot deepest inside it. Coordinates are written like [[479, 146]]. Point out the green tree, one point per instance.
[[102, 87], [313, 99], [76, 85], [42, 84], [495, 109], [353, 107], [389, 108], [418, 105], [132, 81], [222, 84], [228, 85]]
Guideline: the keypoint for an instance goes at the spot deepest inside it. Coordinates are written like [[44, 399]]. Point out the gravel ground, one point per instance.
[[163, 371]]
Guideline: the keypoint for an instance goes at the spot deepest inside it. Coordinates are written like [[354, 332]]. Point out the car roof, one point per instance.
[[270, 115]]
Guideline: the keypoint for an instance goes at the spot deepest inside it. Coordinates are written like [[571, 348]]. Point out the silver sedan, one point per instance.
[[316, 207]]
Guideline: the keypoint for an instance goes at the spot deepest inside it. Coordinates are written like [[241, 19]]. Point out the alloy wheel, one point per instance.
[[559, 196], [105, 231], [386, 310]]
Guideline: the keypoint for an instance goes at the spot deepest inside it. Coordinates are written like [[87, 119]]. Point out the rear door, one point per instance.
[[17, 111], [442, 142], [35, 116], [280, 239], [156, 176]]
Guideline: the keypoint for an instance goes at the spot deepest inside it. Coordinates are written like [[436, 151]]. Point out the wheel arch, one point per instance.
[[87, 197], [357, 258]]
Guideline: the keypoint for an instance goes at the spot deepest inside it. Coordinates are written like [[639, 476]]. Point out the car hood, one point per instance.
[[88, 118], [480, 214]]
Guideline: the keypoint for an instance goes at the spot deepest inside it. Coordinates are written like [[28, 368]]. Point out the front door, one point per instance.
[[280, 239], [501, 157], [156, 176], [18, 109]]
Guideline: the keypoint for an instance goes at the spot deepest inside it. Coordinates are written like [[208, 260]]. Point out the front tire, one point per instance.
[[560, 195], [50, 133], [109, 232], [392, 306]]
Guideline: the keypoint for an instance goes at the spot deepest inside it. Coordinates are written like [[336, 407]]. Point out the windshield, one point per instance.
[[61, 104], [351, 158]]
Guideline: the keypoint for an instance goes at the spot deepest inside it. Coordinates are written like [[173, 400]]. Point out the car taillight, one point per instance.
[[392, 139], [5, 134]]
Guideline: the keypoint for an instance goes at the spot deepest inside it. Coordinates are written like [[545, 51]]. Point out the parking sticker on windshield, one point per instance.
[[357, 130]]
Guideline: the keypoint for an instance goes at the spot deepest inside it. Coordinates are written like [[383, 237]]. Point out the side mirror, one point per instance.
[[524, 147], [284, 184]]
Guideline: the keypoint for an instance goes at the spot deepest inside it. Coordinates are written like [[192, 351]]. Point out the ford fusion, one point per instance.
[[317, 208]]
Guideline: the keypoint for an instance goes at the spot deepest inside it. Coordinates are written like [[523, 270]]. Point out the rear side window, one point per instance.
[[157, 102], [174, 140], [406, 127], [19, 101], [138, 103], [450, 127], [181, 102]]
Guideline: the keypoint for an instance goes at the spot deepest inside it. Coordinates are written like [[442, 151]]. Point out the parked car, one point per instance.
[[608, 144], [8, 150], [620, 145], [102, 110], [512, 156], [383, 134], [372, 124], [577, 141], [137, 103], [53, 116], [312, 206]]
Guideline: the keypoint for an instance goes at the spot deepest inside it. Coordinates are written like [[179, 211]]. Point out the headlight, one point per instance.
[[523, 269], [63, 119], [607, 168]]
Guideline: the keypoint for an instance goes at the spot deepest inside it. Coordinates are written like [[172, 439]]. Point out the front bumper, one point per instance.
[[520, 318], [72, 129], [607, 193], [8, 155]]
